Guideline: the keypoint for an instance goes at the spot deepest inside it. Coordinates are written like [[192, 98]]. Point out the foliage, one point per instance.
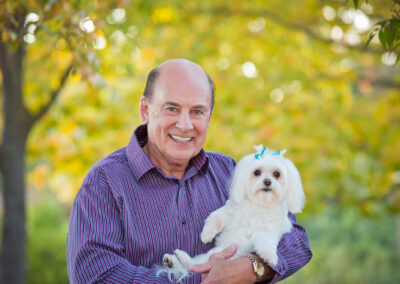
[[349, 248], [47, 233], [388, 30], [298, 92]]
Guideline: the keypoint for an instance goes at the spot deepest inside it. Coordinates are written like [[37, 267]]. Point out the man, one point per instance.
[[153, 196]]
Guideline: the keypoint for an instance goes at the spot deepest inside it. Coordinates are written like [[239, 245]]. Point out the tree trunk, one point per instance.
[[16, 125], [14, 235]]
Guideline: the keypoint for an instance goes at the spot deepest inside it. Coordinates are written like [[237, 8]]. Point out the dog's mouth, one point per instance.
[[266, 189]]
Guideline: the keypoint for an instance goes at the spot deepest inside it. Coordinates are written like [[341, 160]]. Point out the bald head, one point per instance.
[[178, 69]]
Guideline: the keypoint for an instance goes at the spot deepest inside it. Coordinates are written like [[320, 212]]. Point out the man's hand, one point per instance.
[[219, 269]]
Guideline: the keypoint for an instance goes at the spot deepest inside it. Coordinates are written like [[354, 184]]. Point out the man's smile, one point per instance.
[[179, 138]]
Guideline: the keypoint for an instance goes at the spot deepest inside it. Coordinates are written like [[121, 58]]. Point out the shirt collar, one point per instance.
[[140, 163]]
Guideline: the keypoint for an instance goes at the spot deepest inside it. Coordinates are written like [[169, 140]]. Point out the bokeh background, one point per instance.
[[289, 74]]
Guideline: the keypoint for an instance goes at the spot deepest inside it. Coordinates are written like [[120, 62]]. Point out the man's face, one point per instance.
[[177, 117]]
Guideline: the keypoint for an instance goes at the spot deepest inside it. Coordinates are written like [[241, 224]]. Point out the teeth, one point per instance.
[[180, 139]]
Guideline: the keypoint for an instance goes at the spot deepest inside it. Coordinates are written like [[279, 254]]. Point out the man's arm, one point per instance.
[[293, 253], [95, 246]]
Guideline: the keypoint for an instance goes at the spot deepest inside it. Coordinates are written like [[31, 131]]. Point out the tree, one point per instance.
[[20, 23]]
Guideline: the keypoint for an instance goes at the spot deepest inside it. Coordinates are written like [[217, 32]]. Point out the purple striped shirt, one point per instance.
[[128, 214]]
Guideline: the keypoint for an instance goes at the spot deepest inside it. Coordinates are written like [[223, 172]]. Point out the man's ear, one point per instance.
[[144, 109]]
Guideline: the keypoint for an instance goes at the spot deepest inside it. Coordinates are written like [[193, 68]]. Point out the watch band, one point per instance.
[[258, 267]]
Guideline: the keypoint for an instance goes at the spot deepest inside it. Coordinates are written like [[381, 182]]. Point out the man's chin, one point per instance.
[[181, 156]]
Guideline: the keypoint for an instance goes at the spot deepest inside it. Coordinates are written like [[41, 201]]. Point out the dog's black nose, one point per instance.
[[267, 181]]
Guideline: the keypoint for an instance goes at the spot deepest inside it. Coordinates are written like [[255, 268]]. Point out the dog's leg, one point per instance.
[[213, 225], [172, 261], [183, 257], [175, 269], [266, 245]]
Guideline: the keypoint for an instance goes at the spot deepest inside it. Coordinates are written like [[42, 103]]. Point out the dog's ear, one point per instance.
[[240, 179], [295, 195]]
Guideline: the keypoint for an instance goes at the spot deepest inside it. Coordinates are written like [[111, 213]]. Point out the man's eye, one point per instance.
[[171, 109], [197, 112]]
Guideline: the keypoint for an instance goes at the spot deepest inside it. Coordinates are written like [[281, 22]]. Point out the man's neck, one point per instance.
[[170, 169]]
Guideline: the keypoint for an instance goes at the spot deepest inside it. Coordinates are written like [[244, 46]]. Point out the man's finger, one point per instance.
[[226, 253], [201, 268]]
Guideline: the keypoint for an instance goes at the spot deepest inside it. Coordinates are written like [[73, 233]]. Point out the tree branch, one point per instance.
[[54, 94], [284, 23]]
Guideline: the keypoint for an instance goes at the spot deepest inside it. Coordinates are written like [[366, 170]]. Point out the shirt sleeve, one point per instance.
[[293, 251], [95, 247]]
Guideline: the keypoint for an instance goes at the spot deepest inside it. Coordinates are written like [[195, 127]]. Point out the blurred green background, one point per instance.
[[288, 74]]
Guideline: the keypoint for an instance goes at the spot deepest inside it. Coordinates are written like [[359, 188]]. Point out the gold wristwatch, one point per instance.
[[258, 267]]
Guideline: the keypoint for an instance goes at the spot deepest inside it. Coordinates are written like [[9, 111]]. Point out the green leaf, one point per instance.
[[383, 38], [390, 36], [371, 36], [355, 2]]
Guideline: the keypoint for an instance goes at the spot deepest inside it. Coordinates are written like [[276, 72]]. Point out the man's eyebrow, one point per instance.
[[176, 104], [171, 103], [200, 106]]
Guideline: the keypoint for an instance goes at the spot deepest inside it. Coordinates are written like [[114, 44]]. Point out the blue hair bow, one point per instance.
[[267, 151]]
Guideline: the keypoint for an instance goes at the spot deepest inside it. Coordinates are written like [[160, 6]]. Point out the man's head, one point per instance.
[[153, 75], [176, 106]]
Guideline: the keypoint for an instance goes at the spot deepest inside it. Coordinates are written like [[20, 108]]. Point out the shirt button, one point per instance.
[[183, 222]]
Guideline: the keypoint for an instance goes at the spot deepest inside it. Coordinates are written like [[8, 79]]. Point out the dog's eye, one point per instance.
[[277, 174], [257, 173]]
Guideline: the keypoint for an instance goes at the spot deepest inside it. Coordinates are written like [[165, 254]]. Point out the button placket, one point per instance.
[[182, 203]]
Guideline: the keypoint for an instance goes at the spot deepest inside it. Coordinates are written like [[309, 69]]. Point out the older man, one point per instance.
[[153, 196]]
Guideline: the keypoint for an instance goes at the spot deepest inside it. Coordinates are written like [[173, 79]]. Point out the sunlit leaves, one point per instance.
[[389, 34], [328, 104]]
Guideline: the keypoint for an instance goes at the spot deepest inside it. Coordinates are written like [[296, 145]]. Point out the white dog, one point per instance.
[[265, 187]]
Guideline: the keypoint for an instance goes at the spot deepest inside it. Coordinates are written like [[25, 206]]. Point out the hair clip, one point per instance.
[[265, 150]]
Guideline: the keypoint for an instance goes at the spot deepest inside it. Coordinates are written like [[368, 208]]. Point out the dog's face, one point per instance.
[[268, 180]]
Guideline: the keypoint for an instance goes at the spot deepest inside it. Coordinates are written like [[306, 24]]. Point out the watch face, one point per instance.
[[258, 267], [260, 270]]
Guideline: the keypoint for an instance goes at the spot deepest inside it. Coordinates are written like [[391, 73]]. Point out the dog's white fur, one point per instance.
[[255, 217]]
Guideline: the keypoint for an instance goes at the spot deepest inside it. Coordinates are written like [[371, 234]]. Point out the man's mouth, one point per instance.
[[180, 139]]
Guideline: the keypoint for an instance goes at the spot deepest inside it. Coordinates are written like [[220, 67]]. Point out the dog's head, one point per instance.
[[267, 179]]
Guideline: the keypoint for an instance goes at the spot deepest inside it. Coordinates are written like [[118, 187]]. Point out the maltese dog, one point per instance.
[[265, 187]]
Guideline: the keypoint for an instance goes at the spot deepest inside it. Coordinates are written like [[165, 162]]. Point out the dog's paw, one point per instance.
[[182, 257], [273, 260], [208, 234], [212, 227], [171, 261], [270, 257]]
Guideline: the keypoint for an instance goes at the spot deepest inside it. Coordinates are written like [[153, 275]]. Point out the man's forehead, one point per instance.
[[164, 98], [182, 92]]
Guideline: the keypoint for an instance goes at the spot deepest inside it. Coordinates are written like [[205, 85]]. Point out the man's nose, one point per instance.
[[184, 121]]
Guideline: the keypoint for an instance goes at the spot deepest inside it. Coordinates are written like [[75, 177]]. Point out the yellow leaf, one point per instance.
[[162, 15]]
